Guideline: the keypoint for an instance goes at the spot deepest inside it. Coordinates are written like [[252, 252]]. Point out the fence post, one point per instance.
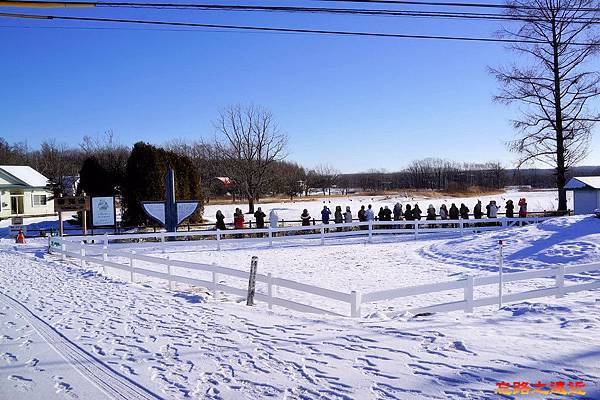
[[504, 222], [560, 281], [162, 242], [82, 254], [252, 281], [215, 281], [49, 244], [416, 228], [270, 236], [170, 273], [461, 226], [270, 290], [131, 275], [469, 294], [322, 235], [355, 301], [63, 248], [370, 231], [218, 240], [500, 267]]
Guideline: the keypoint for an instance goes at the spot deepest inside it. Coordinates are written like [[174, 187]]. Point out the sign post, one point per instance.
[[71, 203], [103, 211], [252, 281], [500, 266]]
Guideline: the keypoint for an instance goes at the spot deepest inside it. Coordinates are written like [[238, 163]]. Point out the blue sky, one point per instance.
[[354, 103]]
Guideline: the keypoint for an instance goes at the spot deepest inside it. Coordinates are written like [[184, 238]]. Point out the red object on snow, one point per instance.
[[20, 237]]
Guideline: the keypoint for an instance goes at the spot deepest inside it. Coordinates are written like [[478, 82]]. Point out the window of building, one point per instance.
[[39, 199]]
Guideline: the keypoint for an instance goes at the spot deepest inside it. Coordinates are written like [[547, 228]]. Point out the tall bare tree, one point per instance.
[[556, 123], [252, 143]]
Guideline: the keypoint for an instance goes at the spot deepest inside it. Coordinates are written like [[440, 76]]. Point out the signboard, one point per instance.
[[185, 209], [14, 230], [71, 203], [16, 220], [155, 210], [103, 211]]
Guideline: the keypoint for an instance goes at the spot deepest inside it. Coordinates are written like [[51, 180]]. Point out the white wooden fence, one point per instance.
[[323, 231], [85, 253]]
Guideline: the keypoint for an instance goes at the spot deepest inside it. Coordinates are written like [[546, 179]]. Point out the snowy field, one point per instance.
[[68, 331]]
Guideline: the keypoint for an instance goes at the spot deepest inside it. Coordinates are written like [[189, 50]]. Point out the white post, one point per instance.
[[355, 304], [170, 272], [370, 231], [500, 267], [270, 236], [461, 226], [416, 229], [469, 294], [163, 245], [82, 254], [63, 248], [218, 239], [504, 222], [270, 290], [322, 235], [132, 276], [560, 281], [215, 279]]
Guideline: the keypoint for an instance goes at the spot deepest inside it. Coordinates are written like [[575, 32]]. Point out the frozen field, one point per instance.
[[67, 331]]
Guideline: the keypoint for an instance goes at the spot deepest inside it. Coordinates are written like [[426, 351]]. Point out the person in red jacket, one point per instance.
[[238, 219], [523, 208]]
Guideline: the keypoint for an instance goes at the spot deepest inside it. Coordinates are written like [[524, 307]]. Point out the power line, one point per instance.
[[291, 9], [275, 29]]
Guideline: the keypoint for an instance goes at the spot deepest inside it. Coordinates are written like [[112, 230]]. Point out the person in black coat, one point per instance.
[[362, 217], [464, 211], [408, 213], [220, 221], [417, 212], [380, 215], [510, 209], [260, 218], [453, 212], [305, 217], [477, 213], [387, 214]]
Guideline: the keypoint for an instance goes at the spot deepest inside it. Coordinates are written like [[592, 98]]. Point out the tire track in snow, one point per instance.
[[111, 382]]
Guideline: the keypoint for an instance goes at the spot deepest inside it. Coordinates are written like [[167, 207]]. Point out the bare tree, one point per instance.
[[556, 124], [252, 143], [326, 177]]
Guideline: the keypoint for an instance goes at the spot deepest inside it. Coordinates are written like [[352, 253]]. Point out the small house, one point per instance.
[[586, 193], [23, 192]]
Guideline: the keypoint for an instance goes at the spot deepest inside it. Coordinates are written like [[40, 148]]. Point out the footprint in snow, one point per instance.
[[22, 383]]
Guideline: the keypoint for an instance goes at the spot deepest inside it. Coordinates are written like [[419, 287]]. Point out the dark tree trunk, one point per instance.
[[560, 143]]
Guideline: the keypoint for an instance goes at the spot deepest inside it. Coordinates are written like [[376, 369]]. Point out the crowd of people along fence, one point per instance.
[[397, 213]]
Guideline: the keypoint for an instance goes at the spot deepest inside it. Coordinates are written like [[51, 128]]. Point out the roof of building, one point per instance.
[[583, 182], [25, 174]]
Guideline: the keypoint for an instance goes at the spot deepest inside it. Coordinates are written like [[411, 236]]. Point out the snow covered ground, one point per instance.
[[68, 331]]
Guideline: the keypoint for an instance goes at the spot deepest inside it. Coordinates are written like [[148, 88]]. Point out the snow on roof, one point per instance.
[[26, 174], [583, 182]]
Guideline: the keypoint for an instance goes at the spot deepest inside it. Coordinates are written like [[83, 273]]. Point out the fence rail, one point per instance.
[[323, 231], [354, 300]]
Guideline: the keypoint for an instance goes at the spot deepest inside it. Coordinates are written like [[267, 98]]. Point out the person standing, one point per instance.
[[337, 216], [453, 213], [380, 214], [443, 212], [417, 212], [523, 208], [305, 217], [431, 213], [362, 216], [259, 215], [397, 212], [408, 213], [477, 213], [369, 214], [220, 221], [464, 211], [510, 209], [325, 214], [348, 215], [492, 209], [387, 214]]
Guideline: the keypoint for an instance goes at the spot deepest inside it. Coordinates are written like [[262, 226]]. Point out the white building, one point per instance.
[[23, 191], [586, 193]]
